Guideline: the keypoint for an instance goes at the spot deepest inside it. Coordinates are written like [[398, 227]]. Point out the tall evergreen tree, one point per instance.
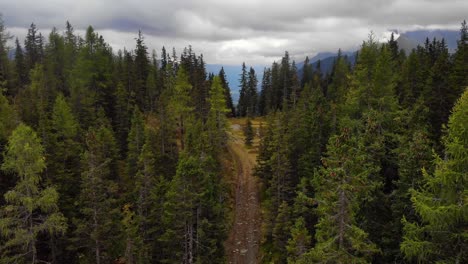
[[441, 201], [4, 65], [136, 139], [20, 65], [252, 105], [181, 104], [142, 68], [97, 228], [243, 92], [33, 47], [217, 121], [341, 185], [265, 101], [227, 92], [459, 72], [30, 210]]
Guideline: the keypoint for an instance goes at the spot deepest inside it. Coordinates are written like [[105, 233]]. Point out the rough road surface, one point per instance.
[[244, 238]]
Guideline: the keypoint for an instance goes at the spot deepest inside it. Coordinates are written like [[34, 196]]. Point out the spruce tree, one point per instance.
[[142, 68], [97, 227], [299, 242], [20, 66], [252, 103], [33, 47], [181, 103], [248, 133], [459, 72], [30, 209], [341, 185], [243, 92], [217, 121], [63, 154], [136, 139], [265, 100], [4, 64], [440, 203], [227, 93]]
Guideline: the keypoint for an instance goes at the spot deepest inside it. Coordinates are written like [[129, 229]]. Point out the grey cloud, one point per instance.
[[240, 30]]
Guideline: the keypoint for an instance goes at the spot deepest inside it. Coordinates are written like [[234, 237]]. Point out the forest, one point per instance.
[[122, 156]]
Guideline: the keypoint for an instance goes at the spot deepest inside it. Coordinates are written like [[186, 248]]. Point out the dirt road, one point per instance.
[[244, 238]]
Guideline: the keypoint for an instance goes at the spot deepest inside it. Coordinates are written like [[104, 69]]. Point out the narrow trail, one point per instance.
[[243, 242]]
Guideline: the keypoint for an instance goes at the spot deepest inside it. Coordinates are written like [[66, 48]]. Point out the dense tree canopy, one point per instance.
[[123, 156]]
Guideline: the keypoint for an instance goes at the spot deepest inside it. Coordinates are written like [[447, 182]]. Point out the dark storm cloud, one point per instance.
[[233, 31]]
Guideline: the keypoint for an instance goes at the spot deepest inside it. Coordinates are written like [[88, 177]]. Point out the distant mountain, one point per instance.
[[327, 60], [406, 43], [233, 73], [419, 36]]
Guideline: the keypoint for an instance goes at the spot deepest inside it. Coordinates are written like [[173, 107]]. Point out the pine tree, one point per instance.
[[459, 72], [227, 93], [4, 64], [150, 185], [136, 139], [243, 92], [281, 232], [97, 228], [299, 242], [91, 83], [63, 153], [8, 122], [252, 102], [33, 47], [20, 66], [217, 121], [307, 72], [153, 88], [30, 210], [265, 101], [248, 133], [179, 220], [341, 185], [141, 73], [180, 103], [441, 202], [8, 119], [54, 63]]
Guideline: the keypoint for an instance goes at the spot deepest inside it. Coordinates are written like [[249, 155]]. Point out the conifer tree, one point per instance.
[[341, 185], [217, 121], [243, 92], [142, 68], [20, 66], [63, 155], [4, 65], [180, 103], [179, 220], [136, 139], [31, 210], [97, 228], [281, 232], [227, 93], [265, 100], [440, 203], [299, 242], [33, 47], [252, 98], [459, 72], [248, 133], [8, 121]]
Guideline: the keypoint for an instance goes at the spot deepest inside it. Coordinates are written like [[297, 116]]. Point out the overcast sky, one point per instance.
[[229, 32]]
